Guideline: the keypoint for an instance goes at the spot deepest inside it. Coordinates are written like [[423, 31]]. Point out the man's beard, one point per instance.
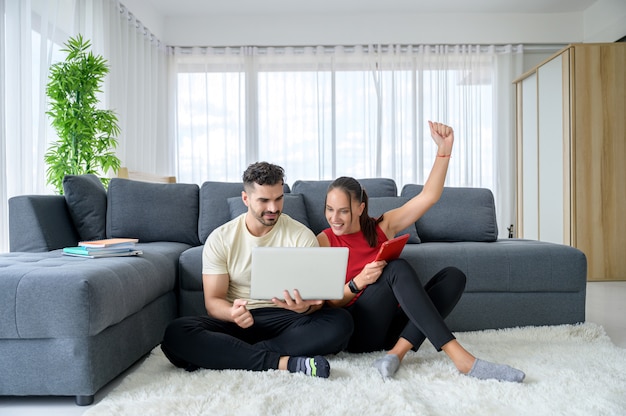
[[267, 222]]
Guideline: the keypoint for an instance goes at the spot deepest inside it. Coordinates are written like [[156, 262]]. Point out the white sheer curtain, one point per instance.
[[362, 111], [137, 90], [31, 34], [4, 225]]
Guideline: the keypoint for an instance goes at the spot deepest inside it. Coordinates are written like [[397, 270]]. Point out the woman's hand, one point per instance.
[[443, 135], [370, 274]]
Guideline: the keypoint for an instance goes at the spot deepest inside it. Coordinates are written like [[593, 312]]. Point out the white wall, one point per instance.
[[605, 21], [146, 14], [374, 29]]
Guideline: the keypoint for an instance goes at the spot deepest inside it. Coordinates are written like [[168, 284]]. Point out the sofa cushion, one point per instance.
[[214, 210], [190, 289], [86, 200], [461, 214], [314, 193], [153, 211], [48, 295], [293, 206], [40, 223], [508, 265], [378, 206]]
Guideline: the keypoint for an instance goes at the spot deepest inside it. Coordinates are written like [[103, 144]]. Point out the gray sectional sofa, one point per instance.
[[69, 325]]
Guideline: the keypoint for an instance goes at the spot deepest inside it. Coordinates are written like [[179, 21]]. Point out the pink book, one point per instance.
[[109, 242]]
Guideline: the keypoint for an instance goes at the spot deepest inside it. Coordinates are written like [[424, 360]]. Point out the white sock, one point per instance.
[[387, 365], [485, 370]]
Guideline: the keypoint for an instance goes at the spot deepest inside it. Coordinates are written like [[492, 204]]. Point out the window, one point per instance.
[[361, 111], [321, 115]]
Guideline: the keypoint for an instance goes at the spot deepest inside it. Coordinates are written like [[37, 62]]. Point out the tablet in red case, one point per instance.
[[391, 249]]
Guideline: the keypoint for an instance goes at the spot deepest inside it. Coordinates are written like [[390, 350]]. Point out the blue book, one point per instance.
[[100, 252]]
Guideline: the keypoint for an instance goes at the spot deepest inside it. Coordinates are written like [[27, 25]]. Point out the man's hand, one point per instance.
[[296, 303], [240, 314]]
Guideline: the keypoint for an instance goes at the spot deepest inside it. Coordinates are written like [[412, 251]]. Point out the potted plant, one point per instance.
[[86, 134]]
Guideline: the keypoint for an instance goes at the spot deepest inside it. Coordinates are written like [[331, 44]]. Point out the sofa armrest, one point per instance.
[[39, 223]]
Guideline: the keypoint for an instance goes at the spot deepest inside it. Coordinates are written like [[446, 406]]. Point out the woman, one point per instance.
[[390, 307]]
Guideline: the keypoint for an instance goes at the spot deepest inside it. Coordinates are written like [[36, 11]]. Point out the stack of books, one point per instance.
[[111, 247]]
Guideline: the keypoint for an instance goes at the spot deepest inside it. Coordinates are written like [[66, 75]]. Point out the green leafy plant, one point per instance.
[[86, 134]]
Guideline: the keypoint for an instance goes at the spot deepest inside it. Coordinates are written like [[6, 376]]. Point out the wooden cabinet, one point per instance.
[[571, 154]]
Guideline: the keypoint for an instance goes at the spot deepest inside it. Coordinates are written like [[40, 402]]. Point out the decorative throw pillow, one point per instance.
[[293, 206], [153, 211], [236, 206], [461, 214], [86, 200], [378, 206]]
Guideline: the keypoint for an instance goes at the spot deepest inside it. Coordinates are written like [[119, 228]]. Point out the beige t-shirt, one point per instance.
[[228, 250]]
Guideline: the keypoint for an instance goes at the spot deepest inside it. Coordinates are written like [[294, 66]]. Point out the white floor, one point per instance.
[[606, 305]]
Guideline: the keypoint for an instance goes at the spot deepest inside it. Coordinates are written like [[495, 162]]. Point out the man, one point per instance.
[[241, 333]]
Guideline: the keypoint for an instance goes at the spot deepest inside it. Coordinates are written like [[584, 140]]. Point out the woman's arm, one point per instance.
[[398, 219], [370, 273]]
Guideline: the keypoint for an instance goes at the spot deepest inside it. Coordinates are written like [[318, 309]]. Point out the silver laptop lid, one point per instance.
[[317, 272]]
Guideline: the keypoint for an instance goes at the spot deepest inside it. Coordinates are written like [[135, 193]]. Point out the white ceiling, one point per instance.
[[317, 22], [198, 8]]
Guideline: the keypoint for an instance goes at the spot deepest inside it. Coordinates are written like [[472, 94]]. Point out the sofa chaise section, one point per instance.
[[510, 282], [70, 325]]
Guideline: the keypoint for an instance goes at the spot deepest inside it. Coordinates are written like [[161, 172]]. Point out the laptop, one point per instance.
[[317, 272]]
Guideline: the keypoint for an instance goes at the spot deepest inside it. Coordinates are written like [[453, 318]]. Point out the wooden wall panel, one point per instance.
[[593, 154], [600, 158]]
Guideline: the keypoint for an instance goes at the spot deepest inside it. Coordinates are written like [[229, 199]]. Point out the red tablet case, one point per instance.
[[391, 249]]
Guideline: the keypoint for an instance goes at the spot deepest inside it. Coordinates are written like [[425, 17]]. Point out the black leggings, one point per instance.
[[193, 342], [397, 305]]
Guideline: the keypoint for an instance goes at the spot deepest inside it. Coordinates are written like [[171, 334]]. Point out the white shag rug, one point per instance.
[[570, 370]]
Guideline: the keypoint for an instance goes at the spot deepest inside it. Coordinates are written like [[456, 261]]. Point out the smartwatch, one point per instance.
[[353, 287]]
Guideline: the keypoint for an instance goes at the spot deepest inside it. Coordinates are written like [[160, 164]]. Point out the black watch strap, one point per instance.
[[353, 287]]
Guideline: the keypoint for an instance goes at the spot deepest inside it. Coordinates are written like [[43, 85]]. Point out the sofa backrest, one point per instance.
[[461, 214], [314, 194], [188, 213], [214, 209], [153, 211]]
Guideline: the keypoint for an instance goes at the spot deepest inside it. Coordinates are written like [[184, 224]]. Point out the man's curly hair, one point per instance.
[[263, 173]]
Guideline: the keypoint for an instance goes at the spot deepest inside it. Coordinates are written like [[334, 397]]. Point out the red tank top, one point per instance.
[[360, 252]]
